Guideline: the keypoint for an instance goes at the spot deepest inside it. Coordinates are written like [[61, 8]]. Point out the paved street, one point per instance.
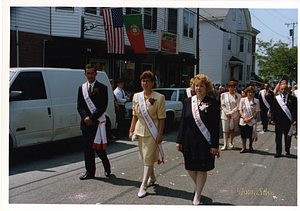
[[255, 178]]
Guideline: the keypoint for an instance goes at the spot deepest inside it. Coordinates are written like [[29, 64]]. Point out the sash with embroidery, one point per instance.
[[263, 96], [198, 120], [250, 113], [100, 136], [151, 126], [188, 92], [234, 116], [287, 112]]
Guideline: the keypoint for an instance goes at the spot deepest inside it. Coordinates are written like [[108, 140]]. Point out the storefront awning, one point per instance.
[[233, 62], [256, 79]]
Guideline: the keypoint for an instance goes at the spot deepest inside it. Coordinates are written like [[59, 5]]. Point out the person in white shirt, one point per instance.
[[121, 100]]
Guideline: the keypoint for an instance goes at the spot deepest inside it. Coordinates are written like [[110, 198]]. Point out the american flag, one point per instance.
[[281, 82], [114, 30]]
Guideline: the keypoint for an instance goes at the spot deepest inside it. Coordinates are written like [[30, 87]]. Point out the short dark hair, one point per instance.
[[119, 81], [232, 84], [89, 66], [148, 74]]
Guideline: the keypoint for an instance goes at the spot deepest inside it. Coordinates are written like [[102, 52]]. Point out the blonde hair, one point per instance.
[[202, 79]]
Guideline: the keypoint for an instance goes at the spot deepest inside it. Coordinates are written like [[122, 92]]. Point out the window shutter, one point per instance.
[[154, 16], [128, 10]]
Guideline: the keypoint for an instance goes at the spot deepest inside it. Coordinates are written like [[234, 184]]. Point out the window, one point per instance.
[[229, 41], [150, 18], [248, 73], [233, 14], [31, 84], [188, 24], [169, 94], [133, 10], [147, 67], [240, 16], [241, 73], [242, 44], [172, 21], [249, 47], [90, 10]]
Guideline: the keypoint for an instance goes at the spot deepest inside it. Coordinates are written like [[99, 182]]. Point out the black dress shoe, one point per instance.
[[107, 174], [277, 156], [251, 149], [86, 176], [288, 154]]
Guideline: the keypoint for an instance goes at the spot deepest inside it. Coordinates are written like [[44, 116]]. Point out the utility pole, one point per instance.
[[197, 43], [292, 31]]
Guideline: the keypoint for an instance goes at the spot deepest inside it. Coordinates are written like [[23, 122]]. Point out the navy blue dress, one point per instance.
[[195, 148]]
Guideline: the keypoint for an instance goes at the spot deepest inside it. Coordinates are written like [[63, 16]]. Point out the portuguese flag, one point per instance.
[[135, 33]]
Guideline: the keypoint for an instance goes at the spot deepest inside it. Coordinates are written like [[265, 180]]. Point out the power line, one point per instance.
[[274, 15], [283, 14], [216, 25], [268, 27]]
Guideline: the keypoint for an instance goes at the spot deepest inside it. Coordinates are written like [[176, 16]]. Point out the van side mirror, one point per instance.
[[16, 96]]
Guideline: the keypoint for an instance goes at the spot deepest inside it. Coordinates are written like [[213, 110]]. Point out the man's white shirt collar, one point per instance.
[[92, 84], [285, 99]]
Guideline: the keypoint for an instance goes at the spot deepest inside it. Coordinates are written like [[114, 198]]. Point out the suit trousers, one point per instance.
[[279, 129], [264, 119], [89, 154]]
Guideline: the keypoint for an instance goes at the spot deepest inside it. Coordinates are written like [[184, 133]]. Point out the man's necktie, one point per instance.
[[90, 89]]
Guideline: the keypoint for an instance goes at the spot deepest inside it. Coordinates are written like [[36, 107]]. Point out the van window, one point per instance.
[[31, 84], [181, 94]]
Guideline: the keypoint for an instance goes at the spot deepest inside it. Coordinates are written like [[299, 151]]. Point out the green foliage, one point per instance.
[[276, 60]]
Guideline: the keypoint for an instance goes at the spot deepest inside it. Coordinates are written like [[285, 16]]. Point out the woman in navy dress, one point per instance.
[[199, 146]]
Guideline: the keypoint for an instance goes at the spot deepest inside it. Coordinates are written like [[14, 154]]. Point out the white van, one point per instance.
[[43, 105]]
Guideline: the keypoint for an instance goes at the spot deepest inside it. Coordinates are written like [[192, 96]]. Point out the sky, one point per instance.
[[272, 24]]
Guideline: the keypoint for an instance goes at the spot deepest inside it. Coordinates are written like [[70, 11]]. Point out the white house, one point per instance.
[[227, 45], [74, 36]]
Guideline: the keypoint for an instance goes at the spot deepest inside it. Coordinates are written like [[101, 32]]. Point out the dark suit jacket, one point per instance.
[[269, 98], [189, 135], [279, 116], [99, 98]]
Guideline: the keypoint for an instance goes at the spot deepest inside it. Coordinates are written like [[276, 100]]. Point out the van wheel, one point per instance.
[[168, 122]]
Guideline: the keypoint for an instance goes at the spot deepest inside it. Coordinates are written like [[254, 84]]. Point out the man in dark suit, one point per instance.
[[284, 115], [96, 92], [265, 97]]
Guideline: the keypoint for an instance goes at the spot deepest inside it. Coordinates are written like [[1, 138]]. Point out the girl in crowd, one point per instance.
[[230, 102], [249, 108]]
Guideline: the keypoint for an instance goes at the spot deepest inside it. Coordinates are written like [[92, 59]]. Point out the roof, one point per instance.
[[214, 13]]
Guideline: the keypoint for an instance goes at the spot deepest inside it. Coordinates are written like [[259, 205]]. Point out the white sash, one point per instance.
[[263, 96], [151, 126], [101, 130], [198, 120], [188, 92], [250, 113], [287, 112], [234, 116]]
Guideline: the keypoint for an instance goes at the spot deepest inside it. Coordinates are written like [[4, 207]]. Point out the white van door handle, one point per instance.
[[49, 111]]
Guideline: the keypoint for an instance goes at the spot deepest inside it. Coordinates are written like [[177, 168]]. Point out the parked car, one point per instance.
[[43, 105], [173, 100]]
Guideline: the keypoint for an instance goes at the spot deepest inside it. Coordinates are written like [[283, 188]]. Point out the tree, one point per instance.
[[276, 60]]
